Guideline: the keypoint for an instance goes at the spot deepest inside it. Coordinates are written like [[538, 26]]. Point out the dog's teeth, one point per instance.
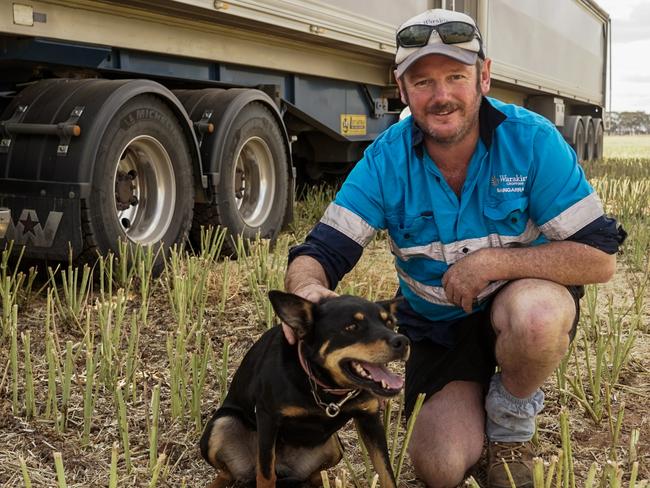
[[360, 370], [384, 384]]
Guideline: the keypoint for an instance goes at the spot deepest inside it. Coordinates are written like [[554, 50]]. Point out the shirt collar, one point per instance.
[[489, 118]]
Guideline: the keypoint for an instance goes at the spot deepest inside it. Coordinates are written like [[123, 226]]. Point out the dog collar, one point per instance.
[[332, 409]]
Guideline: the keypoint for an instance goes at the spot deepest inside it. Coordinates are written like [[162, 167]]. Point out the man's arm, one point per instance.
[[306, 277], [336, 242], [565, 262], [562, 204]]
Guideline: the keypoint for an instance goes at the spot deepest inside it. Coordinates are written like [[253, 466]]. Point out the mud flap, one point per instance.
[[50, 228]]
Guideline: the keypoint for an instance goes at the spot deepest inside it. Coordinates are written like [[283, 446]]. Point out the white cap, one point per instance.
[[465, 52]]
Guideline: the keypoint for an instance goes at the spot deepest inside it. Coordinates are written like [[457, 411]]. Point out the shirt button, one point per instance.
[[465, 250], [513, 220], [407, 236]]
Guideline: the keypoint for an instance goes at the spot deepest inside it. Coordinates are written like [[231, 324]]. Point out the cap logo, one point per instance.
[[434, 21]]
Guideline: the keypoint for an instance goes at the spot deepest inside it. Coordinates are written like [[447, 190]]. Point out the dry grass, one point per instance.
[[240, 323]]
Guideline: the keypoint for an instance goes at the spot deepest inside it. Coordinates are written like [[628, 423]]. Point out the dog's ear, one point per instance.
[[293, 310], [390, 305]]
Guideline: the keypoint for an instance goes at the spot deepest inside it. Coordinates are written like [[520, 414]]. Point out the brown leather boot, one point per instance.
[[518, 456]]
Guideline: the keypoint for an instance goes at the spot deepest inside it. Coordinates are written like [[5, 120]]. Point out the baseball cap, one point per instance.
[[448, 39]]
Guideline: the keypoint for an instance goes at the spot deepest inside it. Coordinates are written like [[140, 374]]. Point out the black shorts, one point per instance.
[[431, 366]]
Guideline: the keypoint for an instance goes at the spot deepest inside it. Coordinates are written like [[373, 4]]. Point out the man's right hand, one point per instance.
[[314, 292]]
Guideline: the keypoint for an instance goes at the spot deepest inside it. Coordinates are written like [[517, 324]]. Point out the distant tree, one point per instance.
[[633, 119], [637, 122]]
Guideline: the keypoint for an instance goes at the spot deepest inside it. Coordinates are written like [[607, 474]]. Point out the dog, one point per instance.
[[279, 420]]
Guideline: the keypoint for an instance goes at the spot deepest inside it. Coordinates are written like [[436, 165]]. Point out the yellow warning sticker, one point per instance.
[[353, 125]]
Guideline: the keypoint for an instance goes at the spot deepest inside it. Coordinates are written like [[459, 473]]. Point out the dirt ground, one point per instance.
[[35, 440]]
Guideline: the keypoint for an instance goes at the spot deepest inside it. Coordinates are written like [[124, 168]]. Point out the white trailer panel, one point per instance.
[[555, 46]]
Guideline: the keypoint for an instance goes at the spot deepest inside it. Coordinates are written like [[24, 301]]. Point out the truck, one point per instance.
[[146, 120]]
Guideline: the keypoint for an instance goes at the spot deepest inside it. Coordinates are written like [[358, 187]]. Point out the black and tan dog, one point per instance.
[[286, 402]]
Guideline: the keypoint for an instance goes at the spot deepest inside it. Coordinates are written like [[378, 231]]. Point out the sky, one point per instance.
[[630, 54]]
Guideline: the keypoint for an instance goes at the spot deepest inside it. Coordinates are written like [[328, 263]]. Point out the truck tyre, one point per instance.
[[579, 144], [590, 137], [142, 186], [599, 135], [574, 134], [252, 192]]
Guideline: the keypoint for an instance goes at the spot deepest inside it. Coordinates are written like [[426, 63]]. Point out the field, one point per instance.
[[627, 146], [108, 382]]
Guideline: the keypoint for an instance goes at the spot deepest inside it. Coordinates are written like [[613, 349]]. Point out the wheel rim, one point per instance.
[[254, 181], [145, 190]]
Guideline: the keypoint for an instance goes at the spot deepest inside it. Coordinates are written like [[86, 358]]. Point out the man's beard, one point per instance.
[[469, 120]]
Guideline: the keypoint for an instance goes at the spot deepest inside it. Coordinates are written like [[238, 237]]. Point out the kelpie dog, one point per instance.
[[286, 402]]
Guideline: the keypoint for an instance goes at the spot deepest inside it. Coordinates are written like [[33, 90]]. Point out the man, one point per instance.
[[493, 225]]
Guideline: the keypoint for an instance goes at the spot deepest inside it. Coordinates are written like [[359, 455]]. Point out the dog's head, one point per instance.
[[349, 338]]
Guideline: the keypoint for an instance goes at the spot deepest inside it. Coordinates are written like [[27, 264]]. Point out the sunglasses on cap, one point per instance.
[[454, 32]]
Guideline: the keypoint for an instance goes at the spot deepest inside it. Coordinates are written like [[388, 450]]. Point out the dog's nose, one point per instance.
[[399, 343]]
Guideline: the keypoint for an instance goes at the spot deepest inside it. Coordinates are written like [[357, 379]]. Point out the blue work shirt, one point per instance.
[[523, 187]]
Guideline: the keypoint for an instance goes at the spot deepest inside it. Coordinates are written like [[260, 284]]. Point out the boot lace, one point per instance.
[[510, 452]]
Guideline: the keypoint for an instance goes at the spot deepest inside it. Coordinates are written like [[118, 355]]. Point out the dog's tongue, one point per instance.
[[379, 372]]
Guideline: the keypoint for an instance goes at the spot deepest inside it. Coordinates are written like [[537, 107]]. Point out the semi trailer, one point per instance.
[[144, 120]]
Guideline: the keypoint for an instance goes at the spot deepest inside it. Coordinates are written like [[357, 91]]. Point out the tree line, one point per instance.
[[627, 122]]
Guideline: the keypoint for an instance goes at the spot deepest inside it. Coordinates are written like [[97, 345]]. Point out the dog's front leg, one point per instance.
[[372, 433], [267, 430]]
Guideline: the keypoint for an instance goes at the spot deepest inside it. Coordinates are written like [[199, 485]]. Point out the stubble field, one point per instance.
[[108, 382]]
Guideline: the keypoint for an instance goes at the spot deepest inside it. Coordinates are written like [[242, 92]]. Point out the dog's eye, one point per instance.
[[352, 327], [390, 324]]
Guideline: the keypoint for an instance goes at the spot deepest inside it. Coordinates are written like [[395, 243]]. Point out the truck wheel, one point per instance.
[[253, 189], [590, 138], [142, 187], [598, 138], [574, 133]]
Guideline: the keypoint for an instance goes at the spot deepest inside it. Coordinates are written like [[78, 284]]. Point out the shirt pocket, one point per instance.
[[506, 219], [409, 231]]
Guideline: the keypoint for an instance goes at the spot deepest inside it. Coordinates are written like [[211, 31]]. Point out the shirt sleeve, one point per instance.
[[563, 203], [603, 233], [561, 200], [349, 223], [335, 252], [362, 195]]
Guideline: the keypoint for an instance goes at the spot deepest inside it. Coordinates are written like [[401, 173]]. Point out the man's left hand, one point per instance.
[[465, 279]]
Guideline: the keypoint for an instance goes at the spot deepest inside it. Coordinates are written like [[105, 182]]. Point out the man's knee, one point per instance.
[[448, 467], [541, 326], [535, 314]]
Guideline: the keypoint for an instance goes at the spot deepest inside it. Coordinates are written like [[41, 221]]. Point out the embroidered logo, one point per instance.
[[508, 183]]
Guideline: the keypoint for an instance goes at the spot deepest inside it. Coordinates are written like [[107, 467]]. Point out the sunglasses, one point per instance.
[[454, 32]]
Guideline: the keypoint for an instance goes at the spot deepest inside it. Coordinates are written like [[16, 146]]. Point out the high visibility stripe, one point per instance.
[[348, 223], [436, 294], [452, 252], [573, 218]]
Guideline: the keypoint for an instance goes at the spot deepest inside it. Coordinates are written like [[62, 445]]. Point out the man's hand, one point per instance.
[[314, 292], [465, 279]]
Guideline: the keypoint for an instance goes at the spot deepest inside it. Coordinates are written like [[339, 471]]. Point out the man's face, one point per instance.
[[444, 96]]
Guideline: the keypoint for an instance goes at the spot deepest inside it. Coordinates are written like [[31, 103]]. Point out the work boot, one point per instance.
[[518, 456]]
